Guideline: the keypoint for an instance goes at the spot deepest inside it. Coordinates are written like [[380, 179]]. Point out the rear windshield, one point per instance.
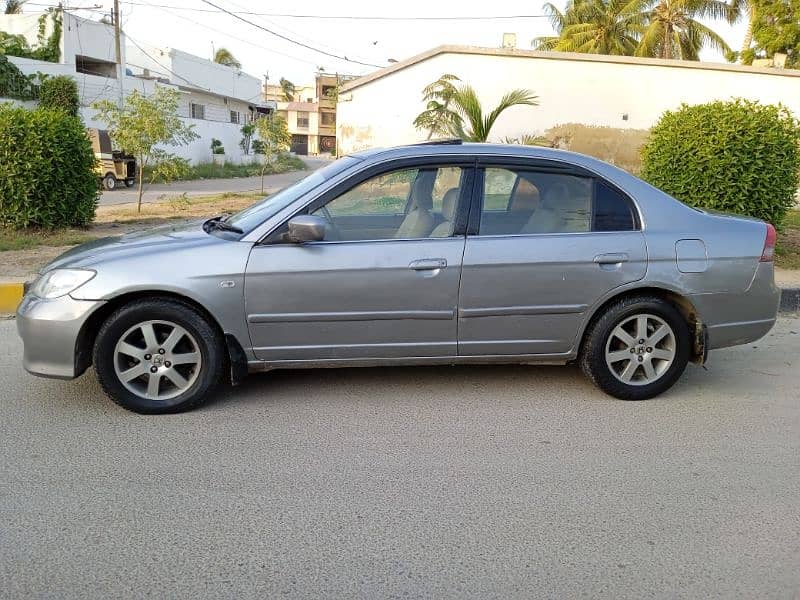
[[252, 216]]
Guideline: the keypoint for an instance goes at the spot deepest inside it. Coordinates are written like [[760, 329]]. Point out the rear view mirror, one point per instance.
[[306, 228]]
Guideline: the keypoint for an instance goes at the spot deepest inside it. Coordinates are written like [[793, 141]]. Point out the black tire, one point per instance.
[[109, 182], [593, 353], [206, 337], [129, 182]]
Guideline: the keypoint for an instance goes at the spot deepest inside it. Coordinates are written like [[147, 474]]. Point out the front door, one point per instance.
[[382, 284], [547, 246]]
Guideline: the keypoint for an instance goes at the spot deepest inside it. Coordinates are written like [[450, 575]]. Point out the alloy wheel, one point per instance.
[[640, 349]]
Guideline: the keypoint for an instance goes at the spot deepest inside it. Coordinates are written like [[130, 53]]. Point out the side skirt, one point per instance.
[[524, 359]]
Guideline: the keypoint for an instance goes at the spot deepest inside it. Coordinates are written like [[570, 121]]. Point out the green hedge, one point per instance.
[[737, 156], [46, 169], [59, 92]]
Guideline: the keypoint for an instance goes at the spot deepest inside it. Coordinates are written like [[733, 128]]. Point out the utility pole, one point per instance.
[[118, 47]]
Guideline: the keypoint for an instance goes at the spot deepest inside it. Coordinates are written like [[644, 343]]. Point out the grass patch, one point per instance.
[[283, 163], [787, 251], [24, 239]]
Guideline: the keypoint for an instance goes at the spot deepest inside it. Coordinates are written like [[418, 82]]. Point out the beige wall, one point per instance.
[[381, 112]]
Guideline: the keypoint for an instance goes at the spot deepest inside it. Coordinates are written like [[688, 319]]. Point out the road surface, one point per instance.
[[459, 482], [205, 187]]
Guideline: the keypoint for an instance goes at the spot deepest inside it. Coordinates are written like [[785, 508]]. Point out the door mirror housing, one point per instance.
[[306, 228]]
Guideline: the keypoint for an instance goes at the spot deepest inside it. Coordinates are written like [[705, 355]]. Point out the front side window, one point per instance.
[[526, 202], [403, 204]]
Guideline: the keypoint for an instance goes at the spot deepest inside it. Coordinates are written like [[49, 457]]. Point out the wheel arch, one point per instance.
[[679, 301], [87, 335]]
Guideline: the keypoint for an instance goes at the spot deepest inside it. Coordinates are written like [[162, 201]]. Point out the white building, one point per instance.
[[215, 99], [624, 92]]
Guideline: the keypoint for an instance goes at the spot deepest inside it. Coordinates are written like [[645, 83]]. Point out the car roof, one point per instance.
[[455, 147]]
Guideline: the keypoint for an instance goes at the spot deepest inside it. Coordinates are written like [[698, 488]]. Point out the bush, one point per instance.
[[46, 169], [60, 92], [738, 156]]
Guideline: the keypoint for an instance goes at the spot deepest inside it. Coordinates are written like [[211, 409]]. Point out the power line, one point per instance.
[[231, 36], [288, 39]]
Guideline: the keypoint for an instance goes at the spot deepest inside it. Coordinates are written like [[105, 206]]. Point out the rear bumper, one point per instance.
[[740, 318], [49, 330]]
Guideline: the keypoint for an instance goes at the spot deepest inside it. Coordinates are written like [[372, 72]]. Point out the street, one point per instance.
[[206, 187], [474, 482]]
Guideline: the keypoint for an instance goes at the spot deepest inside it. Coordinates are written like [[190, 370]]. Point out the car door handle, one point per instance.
[[428, 264], [611, 259]]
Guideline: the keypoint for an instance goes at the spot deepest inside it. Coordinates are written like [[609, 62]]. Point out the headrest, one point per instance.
[[422, 190], [449, 204], [525, 197], [556, 196]]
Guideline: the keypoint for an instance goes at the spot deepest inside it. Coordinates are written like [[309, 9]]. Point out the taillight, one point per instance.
[[769, 244]]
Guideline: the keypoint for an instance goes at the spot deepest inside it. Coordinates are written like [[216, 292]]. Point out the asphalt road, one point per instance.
[[205, 187], [483, 482]]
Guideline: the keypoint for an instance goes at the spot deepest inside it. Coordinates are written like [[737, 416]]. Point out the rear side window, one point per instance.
[[612, 210]]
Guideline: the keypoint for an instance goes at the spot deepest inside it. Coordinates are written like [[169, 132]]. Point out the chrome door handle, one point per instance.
[[611, 259], [428, 264]]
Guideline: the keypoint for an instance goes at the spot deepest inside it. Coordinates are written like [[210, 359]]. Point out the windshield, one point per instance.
[[254, 215]]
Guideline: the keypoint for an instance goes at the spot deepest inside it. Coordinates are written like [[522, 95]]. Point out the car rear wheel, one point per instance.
[[158, 356], [109, 182], [637, 349], [129, 182]]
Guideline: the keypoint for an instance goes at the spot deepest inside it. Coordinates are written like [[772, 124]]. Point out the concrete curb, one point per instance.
[[11, 295], [790, 300]]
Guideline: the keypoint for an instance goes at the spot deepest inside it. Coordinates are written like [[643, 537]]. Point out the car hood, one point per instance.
[[146, 242]]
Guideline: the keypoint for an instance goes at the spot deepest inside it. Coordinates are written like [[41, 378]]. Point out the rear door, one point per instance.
[[545, 241]]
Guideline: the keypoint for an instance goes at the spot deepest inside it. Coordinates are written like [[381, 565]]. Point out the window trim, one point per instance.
[[551, 167], [465, 198]]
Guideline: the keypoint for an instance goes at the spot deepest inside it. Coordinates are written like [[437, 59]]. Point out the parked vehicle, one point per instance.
[[424, 254], [113, 166]]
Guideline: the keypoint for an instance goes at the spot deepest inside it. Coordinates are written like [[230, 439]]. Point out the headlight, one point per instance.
[[60, 282]]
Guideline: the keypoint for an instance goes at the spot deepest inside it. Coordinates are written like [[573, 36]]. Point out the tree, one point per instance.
[[776, 29], [273, 132], [595, 27], [437, 117], [651, 28], [739, 9], [14, 7], [674, 31], [59, 92], [469, 111], [288, 89], [248, 129], [223, 56], [144, 123]]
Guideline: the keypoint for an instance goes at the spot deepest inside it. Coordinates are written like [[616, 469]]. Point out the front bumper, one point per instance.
[[49, 330]]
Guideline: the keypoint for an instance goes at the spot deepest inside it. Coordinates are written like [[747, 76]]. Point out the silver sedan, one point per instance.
[[442, 253]]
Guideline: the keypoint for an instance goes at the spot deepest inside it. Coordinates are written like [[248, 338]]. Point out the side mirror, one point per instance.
[[306, 228]]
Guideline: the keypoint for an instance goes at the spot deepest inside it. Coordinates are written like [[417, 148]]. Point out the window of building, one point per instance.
[[327, 118], [235, 117], [329, 92], [302, 119], [198, 111]]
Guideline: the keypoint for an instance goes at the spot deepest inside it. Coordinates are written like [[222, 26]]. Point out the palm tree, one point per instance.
[[595, 27], [437, 117], [223, 56], [287, 88], [468, 110], [14, 7], [738, 9], [673, 30]]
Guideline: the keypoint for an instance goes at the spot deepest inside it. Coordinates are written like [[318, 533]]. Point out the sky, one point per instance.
[[198, 27]]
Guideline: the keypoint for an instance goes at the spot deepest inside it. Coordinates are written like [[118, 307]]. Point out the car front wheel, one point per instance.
[[637, 349], [158, 356]]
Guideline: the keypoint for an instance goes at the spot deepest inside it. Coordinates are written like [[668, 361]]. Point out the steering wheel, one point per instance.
[[335, 232]]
